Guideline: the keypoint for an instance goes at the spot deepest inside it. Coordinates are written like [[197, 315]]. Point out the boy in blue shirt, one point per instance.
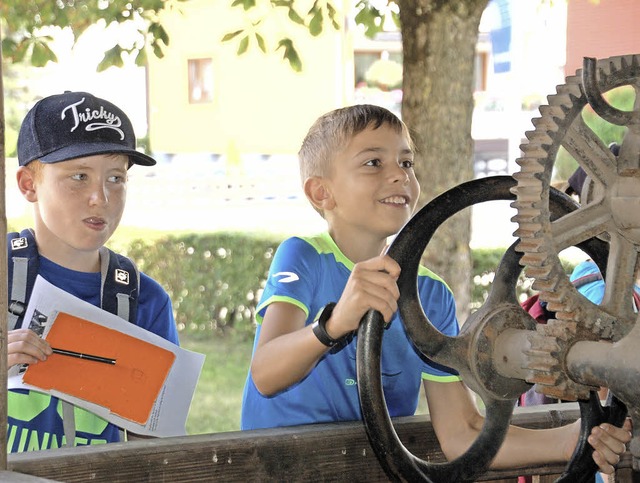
[[74, 150], [356, 164]]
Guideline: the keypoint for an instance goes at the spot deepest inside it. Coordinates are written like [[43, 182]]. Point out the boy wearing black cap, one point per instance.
[[74, 150]]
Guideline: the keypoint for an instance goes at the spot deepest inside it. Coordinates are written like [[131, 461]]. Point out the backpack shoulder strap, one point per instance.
[[22, 269], [585, 279], [120, 285]]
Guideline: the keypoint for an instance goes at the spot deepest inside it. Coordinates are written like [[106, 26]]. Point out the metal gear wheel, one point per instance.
[[610, 210]]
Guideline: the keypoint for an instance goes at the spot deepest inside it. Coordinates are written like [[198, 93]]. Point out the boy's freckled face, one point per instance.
[[81, 201], [373, 182]]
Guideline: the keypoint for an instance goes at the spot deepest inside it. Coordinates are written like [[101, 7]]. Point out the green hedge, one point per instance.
[[484, 262], [215, 280]]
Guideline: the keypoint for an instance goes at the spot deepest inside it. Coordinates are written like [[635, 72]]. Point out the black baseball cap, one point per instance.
[[74, 125]]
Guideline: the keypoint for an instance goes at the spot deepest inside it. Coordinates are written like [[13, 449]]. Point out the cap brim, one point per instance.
[[81, 150]]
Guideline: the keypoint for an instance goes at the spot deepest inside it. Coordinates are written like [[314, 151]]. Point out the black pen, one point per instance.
[[80, 355]]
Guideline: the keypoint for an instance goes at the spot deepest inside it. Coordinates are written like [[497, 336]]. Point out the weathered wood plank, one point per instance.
[[327, 452]]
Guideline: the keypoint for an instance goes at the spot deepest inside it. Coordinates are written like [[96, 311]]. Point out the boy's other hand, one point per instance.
[[24, 346], [372, 285], [609, 442]]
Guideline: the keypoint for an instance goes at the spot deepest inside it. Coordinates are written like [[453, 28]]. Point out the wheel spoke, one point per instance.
[[593, 155], [581, 225], [620, 279]]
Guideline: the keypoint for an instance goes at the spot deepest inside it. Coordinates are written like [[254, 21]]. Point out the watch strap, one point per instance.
[[320, 329]]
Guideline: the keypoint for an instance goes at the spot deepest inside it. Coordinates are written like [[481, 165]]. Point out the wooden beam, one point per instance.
[[338, 451]]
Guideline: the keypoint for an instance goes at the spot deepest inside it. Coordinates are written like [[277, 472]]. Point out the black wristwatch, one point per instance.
[[319, 326]]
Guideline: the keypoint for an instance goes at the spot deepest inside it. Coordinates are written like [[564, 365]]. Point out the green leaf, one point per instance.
[[41, 54], [332, 12], [295, 17], [112, 58], [141, 58], [261, 43], [20, 50], [9, 47], [315, 25], [246, 4], [294, 61], [290, 54], [157, 50], [244, 45], [371, 19], [161, 34], [232, 35]]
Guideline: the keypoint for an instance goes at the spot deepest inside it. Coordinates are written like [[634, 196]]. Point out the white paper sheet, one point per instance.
[[171, 408]]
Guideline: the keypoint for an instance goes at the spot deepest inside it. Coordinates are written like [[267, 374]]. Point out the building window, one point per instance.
[[200, 80]]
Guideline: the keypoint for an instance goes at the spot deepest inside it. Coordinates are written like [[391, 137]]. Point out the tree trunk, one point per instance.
[[439, 40]]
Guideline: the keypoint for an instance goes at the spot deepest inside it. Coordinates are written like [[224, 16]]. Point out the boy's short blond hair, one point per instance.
[[333, 130]]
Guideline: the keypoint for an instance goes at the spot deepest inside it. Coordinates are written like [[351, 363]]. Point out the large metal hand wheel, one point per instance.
[[471, 353]]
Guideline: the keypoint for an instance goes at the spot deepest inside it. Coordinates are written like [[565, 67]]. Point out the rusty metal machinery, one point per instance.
[[500, 351], [588, 345]]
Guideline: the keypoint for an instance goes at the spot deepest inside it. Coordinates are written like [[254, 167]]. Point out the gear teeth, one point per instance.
[[523, 232], [561, 330], [528, 224], [526, 214], [527, 227], [545, 380], [529, 166], [559, 101], [539, 270], [526, 193], [554, 110], [544, 286], [538, 137], [528, 259], [561, 306], [545, 361], [571, 90], [531, 261]]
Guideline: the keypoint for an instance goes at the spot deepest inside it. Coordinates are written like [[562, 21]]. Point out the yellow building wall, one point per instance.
[[260, 104]]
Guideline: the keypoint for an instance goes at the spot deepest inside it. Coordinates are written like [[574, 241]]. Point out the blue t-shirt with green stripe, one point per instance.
[[309, 273]]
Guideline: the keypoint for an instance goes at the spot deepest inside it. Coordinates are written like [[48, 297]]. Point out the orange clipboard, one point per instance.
[[128, 388]]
